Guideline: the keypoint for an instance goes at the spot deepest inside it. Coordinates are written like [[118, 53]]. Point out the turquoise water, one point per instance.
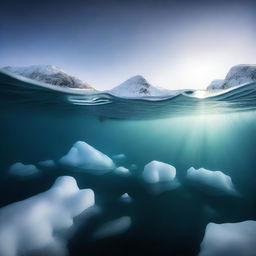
[[217, 133]]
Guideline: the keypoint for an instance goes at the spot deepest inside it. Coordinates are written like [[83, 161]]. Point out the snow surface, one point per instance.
[[22, 170], [236, 239], [37, 224], [212, 182], [155, 172], [85, 158], [48, 74], [237, 75], [138, 86]]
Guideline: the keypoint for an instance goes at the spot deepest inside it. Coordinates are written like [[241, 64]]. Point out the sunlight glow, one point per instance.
[[195, 71]]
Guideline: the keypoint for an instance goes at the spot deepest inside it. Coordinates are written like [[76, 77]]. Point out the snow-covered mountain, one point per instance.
[[138, 86], [48, 74], [237, 75], [216, 84]]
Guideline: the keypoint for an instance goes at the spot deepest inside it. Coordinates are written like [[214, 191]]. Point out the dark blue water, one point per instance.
[[217, 133]]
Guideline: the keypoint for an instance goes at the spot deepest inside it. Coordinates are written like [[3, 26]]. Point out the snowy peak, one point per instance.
[[48, 74], [216, 84], [139, 80], [237, 75], [138, 86]]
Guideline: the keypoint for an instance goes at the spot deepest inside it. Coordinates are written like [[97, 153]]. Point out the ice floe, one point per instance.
[[85, 158], [159, 177], [119, 157], [22, 170], [113, 228], [35, 225], [236, 239], [212, 182], [155, 172], [122, 171]]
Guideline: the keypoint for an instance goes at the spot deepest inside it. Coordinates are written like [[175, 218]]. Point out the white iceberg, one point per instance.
[[236, 239], [113, 228], [213, 182], [36, 224], [155, 172], [22, 170], [85, 158], [122, 171], [159, 177]]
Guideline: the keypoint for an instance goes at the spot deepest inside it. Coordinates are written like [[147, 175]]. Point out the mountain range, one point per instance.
[[237, 75], [49, 74], [136, 86]]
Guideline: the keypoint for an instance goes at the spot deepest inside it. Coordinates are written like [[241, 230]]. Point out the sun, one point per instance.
[[198, 71]]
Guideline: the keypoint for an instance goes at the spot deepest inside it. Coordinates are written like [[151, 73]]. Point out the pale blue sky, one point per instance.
[[174, 44]]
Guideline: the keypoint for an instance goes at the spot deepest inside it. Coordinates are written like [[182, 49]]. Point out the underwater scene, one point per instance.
[[95, 174]]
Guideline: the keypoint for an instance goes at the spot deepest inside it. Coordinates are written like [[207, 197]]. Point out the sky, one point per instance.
[[173, 44]]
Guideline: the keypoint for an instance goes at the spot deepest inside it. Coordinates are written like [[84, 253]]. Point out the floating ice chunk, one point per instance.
[[122, 171], [119, 157], [47, 164], [113, 228], [30, 225], [213, 182], [155, 172], [160, 177], [20, 169], [83, 157], [125, 198], [236, 239]]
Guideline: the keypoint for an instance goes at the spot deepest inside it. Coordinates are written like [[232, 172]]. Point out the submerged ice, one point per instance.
[[85, 158], [155, 172], [122, 171], [212, 182], [22, 170], [36, 224], [113, 227], [236, 239]]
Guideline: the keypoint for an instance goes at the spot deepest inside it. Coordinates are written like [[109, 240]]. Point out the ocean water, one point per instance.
[[216, 133]]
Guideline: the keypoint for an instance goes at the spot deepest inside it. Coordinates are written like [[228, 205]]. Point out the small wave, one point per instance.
[[19, 90]]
